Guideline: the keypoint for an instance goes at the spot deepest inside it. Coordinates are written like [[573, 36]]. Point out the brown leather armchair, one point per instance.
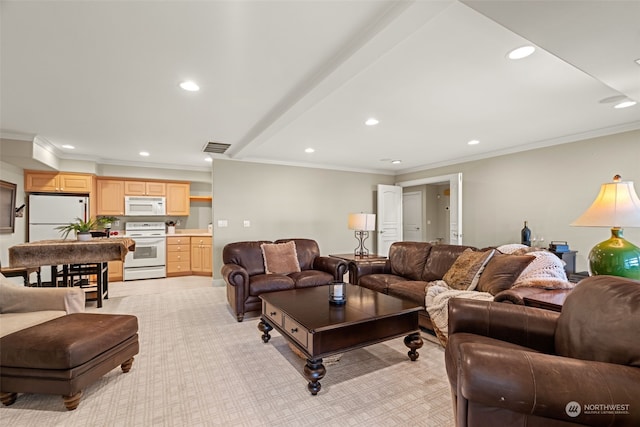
[[514, 365], [244, 273]]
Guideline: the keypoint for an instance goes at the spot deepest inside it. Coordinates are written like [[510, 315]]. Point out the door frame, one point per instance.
[[455, 215]]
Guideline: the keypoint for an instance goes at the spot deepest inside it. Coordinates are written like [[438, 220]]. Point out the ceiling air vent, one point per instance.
[[216, 147]]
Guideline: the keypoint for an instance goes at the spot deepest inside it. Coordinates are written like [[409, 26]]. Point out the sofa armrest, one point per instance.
[[363, 268], [235, 275], [19, 299], [335, 266], [542, 385], [526, 326]]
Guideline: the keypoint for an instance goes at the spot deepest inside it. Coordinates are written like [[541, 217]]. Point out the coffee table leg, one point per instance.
[[264, 327], [414, 342], [314, 371]]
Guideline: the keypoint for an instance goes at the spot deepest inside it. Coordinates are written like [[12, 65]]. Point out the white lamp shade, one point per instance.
[[362, 222], [617, 205]]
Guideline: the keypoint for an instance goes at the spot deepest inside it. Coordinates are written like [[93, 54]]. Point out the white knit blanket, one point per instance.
[[437, 303], [545, 271]]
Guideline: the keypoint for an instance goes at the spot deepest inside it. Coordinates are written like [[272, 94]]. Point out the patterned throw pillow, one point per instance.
[[465, 271], [280, 258]]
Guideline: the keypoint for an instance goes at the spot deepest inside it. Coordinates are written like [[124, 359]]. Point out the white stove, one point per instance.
[[148, 261]]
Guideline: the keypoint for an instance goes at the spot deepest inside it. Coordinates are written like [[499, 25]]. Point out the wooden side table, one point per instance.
[[548, 300], [354, 260]]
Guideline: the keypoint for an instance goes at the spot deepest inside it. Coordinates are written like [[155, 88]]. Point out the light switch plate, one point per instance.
[[247, 223], [222, 223]]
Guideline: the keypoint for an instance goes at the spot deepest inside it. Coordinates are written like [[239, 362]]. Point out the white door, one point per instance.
[[455, 210], [389, 217], [412, 217]]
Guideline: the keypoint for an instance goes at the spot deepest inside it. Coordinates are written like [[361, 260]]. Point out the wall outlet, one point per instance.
[[246, 223]]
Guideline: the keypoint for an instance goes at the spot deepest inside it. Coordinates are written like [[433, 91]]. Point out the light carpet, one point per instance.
[[199, 367]]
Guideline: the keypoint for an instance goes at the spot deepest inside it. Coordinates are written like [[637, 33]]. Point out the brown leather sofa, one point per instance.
[[245, 277], [513, 365], [409, 267]]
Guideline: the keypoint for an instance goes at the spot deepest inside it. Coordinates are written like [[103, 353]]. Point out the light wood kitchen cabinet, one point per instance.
[[178, 198], [178, 256], [55, 182], [110, 197], [145, 188], [201, 256], [115, 271]]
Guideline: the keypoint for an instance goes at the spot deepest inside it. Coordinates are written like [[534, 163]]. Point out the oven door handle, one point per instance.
[[147, 241]]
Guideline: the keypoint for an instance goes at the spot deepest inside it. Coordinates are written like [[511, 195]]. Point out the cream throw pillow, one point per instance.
[[466, 270], [280, 258]]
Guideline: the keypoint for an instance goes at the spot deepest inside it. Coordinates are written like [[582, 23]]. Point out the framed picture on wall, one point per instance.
[[7, 207]]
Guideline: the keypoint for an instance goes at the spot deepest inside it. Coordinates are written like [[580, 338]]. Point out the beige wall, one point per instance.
[[549, 187], [288, 201]]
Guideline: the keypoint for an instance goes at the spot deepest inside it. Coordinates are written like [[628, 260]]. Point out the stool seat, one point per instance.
[[65, 355], [23, 272]]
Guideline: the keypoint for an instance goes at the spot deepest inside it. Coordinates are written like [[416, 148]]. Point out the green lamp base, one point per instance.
[[615, 257]]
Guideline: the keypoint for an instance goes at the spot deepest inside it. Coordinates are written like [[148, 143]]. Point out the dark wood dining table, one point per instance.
[[91, 256]]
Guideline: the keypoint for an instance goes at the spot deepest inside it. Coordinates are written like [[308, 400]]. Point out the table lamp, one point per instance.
[[362, 223], [616, 206]]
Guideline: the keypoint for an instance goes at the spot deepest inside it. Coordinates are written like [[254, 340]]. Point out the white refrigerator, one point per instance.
[[46, 212]]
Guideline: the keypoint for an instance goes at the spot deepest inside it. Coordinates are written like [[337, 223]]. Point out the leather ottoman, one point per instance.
[[65, 355]]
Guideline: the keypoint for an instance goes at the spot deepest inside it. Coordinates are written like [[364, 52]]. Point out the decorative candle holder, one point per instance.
[[337, 293]]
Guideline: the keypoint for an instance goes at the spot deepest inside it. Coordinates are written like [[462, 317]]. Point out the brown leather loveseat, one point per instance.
[[246, 277], [513, 365]]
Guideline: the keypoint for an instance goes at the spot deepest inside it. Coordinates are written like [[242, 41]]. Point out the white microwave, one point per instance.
[[144, 206]]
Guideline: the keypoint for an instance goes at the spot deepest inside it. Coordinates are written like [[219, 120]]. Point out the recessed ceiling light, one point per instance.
[[625, 104], [473, 142], [372, 121], [208, 159], [190, 86], [144, 153], [521, 52], [396, 162], [70, 147], [309, 150]]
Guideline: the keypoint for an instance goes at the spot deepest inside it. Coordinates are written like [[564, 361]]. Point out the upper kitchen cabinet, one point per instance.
[[54, 182], [178, 198], [110, 197], [145, 188]]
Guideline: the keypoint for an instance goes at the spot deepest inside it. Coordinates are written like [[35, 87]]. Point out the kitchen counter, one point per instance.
[[191, 233]]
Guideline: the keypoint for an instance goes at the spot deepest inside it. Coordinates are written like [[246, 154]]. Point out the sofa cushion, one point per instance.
[[280, 258], [464, 273], [379, 282], [440, 260], [411, 290], [308, 278], [261, 283], [248, 255], [407, 259], [12, 322], [501, 272]]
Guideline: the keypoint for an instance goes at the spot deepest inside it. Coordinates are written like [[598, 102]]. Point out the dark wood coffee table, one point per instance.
[[319, 329]]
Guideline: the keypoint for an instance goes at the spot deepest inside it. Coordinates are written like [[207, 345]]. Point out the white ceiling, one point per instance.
[[277, 77]]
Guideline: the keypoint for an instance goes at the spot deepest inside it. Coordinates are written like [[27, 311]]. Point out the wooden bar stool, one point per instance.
[[23, 272]]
